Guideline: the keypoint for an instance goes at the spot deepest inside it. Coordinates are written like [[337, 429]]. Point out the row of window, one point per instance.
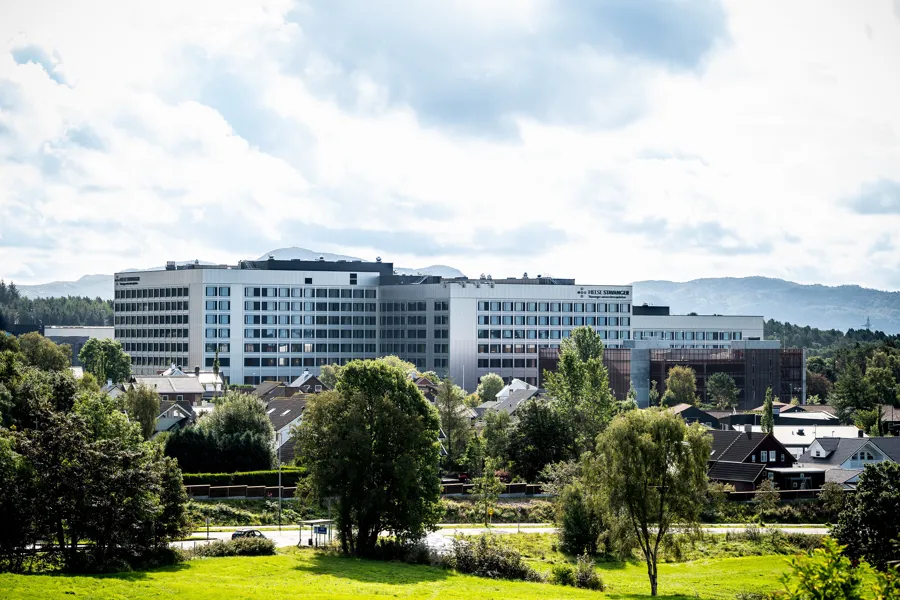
[[404, 320], [218, 319], [218, 305], [311, 306], [547, 320], [157, 361], [404, 306], [297, 361], [579, 307], [178, 292], [766, 456], [305, 348], [271, 333], [152, 320], [150, 306], [402, 334], [643, 334], [507, 363], [544, 334], [398, 349], [507, 348], [151, 333], [223, 292], [305, 320], [285, 292], [155, 346]]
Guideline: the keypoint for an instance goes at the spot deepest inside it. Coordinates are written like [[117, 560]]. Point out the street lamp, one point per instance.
[[278, 442]]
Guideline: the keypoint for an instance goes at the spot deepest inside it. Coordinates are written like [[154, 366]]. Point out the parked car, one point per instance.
[[247, 533]]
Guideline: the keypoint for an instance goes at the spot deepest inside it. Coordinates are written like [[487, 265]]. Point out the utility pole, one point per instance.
[[278, 441]]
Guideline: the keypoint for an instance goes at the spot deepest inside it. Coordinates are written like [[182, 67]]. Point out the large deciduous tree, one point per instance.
[[650, 469], [42, 353], [681, 387], [142, 405], [851, 393], [496, 432], [580, 387], [105, 359], [488, 386], [869, 524], [540, 436], [722, 391], [373, 444]]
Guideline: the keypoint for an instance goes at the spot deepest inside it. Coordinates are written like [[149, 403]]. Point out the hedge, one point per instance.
[[289, 478]]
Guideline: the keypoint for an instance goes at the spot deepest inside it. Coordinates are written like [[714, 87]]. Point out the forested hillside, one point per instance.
[[70, 310], [823, 342]]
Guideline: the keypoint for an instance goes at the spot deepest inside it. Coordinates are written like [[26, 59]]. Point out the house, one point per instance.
[[285, 413], [513, 386], [797, 438], [851, 453], [428, 388], [692, 414], [777, 407], [177, 388], [742, 458], [174, 416], [268, 390], [510, 402], [308, 384], [213, 383]]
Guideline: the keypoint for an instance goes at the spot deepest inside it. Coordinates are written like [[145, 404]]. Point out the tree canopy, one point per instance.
[[142, 405], [722, 391], [454, 417], [869, 524], [105, 359], [580, 386], [16, 309], [43, 353], [373, 444], [490, 384], [650, 470], [681, 387]]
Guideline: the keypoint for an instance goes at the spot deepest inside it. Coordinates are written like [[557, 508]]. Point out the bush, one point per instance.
[[289, 477], [463, 510], [238, 547], [586, 576], [391, 549], [487, 556], [562, 575]]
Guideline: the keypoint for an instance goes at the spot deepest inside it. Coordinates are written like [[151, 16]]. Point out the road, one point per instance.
[[442, 538]]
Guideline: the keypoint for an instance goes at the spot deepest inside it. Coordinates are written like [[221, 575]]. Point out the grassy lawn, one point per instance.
[[306, 574]]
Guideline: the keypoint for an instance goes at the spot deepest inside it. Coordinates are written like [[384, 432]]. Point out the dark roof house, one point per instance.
[[308, 383], [692, 414], [742, 457]]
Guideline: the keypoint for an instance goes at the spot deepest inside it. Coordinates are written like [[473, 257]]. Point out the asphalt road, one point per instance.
[[442, 538]]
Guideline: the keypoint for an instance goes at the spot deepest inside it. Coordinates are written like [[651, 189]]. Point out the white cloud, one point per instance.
[[220, 130]]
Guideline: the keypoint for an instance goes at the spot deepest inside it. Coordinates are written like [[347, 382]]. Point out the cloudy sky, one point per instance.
[[611, 141]]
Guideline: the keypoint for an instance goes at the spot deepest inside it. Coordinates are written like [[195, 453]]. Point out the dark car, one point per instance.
[[247, 533]]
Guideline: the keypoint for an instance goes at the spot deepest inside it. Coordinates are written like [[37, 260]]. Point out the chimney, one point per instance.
[[109, 382], [748, 429], [859, 433], [197, 371]]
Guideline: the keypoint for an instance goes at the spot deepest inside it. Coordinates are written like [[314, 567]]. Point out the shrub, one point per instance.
[[869, 522], [269, 478], [238, 547], [414, 553], [586, 576], [824, 573], [562, 575], [579, 525], [487, 556]]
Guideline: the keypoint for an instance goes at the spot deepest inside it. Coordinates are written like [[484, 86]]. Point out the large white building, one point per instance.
[[655, 324], [271, 319]]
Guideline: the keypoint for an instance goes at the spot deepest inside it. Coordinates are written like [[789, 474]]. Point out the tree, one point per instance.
[[490, 384], [767, 422], [766, 497], [216, 373], [88, 384], [579, 522], [142, 405], [487, 489], [650, 469], [869, 524], [869, 420], [580, 387], [496, 432], [329, 374], [453, 414], [541, 436], [397, 362], [8, 342], [824, 573], [851, 393], [832, 498], [722, 391], [654, 393], [43, 354], [105, 359], [681, 387], [882, 385], [817, 385], [817, 365], [373, 444], [473, 459]]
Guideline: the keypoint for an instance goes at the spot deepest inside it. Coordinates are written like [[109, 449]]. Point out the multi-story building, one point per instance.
[[270, 320], [654, 323]]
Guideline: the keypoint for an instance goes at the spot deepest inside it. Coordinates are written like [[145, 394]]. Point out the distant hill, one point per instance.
[[842, 307], [94, 286]]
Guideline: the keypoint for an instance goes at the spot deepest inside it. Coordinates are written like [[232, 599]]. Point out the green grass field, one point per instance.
[[306, 574]]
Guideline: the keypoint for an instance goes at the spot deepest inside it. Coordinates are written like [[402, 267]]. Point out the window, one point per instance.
[[179, 398], [211, 291]]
